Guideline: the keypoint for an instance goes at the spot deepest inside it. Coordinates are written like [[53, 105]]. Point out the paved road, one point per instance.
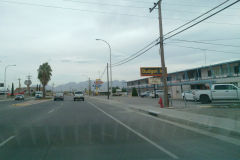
[[92, 130]]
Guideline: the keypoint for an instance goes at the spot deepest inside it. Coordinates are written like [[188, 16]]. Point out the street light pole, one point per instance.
[[5, 78], [110, 51]]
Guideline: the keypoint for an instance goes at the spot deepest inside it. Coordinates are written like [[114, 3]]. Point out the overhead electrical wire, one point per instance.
[[138, 54], [103, 72], [201, 42], [197, 17], [75, 9], [221, 39], [100, 12], [213, 14], [204, 49], [106, 4], [135, 56]]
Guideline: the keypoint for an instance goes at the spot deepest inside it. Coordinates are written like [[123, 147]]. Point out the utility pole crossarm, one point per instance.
[[155, 5]]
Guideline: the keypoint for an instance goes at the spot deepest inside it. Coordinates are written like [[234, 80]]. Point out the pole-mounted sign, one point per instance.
[[151, 71]]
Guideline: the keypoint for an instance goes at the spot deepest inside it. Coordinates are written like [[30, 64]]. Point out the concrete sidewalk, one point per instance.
[[151, 106]]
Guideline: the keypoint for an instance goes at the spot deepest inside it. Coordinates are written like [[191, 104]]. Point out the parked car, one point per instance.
[[78, 96], [59, 96], [188, 96], [217, 92], [38, 94], [19, 97], [145, 94], [159, 93]]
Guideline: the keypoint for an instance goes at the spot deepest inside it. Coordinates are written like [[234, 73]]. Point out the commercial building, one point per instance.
[[195, 78]]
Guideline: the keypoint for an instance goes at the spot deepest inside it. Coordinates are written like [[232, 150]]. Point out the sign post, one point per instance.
[[28, 83]]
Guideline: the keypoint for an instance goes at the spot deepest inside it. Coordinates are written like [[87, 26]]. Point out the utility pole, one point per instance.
[[89, 87], [19, 85], [29, 82], [161, 53], [107, 82]]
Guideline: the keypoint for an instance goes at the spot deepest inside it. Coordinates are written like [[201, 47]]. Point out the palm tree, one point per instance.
[[44, 75]]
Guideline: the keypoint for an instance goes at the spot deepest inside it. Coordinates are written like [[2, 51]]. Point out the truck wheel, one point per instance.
[[204, 99]]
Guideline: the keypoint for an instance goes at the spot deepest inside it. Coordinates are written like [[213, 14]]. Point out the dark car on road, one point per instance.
[[19, 97], [59, 96]]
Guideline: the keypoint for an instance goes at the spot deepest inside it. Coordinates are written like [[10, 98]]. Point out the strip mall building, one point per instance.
[[196, 78]]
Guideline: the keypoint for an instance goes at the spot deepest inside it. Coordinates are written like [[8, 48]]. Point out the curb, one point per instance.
[[225, 124]]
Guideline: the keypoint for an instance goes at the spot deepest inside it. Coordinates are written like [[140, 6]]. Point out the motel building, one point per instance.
[[190, 79]]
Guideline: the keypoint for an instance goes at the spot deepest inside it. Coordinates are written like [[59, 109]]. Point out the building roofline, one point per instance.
[[212, 65]]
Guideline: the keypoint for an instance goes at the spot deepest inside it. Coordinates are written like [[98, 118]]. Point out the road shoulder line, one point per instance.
[[135, 132]]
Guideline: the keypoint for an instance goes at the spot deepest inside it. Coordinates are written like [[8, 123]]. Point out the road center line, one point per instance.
[[137, 133], [4, 142], [51, 111]]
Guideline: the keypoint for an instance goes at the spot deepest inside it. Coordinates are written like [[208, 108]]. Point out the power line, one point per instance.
[[103, 72], [217, 44], [100, 12], [197, 17], [107, 4], [223, 39], [190, 5], [202, 20], [135, 56], [74, 9], [204, 49], [137, 52]]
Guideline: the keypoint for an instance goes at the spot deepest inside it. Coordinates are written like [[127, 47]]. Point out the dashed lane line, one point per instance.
[[51, 111], [7, 140]]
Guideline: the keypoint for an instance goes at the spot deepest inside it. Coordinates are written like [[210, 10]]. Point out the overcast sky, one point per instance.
[[63, 33]]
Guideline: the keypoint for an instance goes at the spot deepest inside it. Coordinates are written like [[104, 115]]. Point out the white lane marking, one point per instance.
[[137, 133], [199, 131], [51, 111], [4, 142]]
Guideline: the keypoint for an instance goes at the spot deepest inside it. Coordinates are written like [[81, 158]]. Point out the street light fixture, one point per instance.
[[5, 78], [110, 61]]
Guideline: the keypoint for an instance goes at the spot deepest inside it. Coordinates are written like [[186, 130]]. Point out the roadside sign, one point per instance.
[[154, 80], [98, 81], [151, 71], [27, 82]]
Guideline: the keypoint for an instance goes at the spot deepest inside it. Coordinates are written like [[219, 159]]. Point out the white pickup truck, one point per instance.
[[217, 92]]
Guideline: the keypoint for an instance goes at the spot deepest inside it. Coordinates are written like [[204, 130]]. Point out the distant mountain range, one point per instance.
[[82, 85]]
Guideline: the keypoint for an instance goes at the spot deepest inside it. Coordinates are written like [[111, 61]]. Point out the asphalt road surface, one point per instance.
[[91, 130]]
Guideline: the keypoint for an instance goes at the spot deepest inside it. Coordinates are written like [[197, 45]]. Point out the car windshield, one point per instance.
[[119, 79], [59, 94]]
